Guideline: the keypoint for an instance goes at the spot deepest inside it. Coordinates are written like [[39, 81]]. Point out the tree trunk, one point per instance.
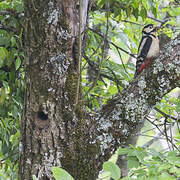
[[53, 134], [56, 133]]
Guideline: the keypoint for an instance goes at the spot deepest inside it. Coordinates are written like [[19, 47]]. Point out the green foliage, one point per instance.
[[113, 169], [126, 8], [110, 170], [61, 174], [146, 164], [178, 105], [11, 86]]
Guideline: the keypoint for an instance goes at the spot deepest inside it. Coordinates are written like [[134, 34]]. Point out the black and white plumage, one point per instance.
[[148, 48]]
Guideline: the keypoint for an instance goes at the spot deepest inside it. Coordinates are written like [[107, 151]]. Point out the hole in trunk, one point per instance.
[[42, 115]]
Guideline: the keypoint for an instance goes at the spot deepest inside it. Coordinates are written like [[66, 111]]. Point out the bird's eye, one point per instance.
[[150, 27]]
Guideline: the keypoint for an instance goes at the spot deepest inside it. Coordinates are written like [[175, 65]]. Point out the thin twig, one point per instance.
[[121, 60], [165, 132], [80, 55], [155, 19], [105, 75], [113, 43], [155, 138], [164, 114], [171, 137], [116, 79], [132, 22], [148, 130]]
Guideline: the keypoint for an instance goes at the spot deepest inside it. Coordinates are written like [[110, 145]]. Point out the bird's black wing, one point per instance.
[[141, 42], [145, 49]]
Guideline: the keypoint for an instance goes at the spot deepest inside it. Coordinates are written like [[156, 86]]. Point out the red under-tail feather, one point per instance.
[[144, 64]]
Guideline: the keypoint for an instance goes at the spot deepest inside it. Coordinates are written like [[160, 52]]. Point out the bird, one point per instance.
[[148, 49]]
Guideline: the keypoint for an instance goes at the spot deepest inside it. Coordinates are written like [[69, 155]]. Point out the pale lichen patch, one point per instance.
[[53, 17], [105, 140], [60, 63], [142, 82], [63, 35], [52, 14], [158, 66]]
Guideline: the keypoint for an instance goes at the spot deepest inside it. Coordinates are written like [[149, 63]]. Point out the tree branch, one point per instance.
[[125, 113]]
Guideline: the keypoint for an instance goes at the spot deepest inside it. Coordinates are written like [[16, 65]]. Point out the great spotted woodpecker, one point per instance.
[[148, 48]]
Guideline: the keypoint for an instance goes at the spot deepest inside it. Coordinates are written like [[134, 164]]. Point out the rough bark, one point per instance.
[[52, 133]]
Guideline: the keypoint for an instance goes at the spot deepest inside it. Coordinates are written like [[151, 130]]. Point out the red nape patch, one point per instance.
[[145, 64]]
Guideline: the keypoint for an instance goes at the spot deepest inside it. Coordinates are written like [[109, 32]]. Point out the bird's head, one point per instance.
[[149, 29]]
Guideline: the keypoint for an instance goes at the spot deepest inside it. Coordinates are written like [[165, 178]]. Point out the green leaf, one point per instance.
[[174, 170], [14, 111], [19, 39], [4, 38], [3, 96], [174, 11], [5, 148], [13, 41], [136, 13], [154, 11], [166, 176], [19, 7], [101, 3], [3, 74], [17, 63], [174, 160], [143, 13], [61, 174], [113, 168], [141, 155], [117, 12], [3, 55], [5, 84], [123, 151], [132, 162], [105, 175], [140, 172], [178, 105], [112, 90], [172, 153], [12, 76]]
